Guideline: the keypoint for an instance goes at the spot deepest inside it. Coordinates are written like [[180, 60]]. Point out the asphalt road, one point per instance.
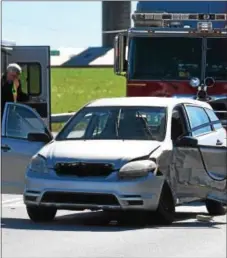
[[86, 234]]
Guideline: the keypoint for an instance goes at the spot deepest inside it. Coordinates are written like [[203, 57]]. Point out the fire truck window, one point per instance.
[[4, 57], [217, 58], [165, 58], [3, 67], [31, 78]]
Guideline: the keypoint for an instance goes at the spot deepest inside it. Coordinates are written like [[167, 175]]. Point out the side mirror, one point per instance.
[[38, 137], [120, 62], [187, 141]]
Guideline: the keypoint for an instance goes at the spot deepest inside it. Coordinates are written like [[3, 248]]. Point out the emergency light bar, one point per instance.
[[140, 17], [162, 19]]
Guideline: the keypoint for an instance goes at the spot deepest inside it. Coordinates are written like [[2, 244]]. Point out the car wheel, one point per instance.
[[215, 208], [41, 214], [165, 212]]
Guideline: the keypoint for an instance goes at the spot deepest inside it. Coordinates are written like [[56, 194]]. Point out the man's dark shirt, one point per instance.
[[7, 95]]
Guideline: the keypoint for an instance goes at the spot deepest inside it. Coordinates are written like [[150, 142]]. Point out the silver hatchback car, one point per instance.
[[143, 154]]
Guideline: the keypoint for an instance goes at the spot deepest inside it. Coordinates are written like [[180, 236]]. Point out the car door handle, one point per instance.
[[219, 142], [5, 148]]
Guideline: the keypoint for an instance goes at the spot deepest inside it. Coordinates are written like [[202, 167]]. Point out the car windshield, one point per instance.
[[116, 123], [172, 58], [217, 58]]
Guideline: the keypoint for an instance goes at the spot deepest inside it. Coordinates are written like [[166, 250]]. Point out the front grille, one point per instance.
[[81, 169], [79, 198]]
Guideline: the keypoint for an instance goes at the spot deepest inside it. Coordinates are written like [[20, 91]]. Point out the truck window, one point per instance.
[[217, 58], [31, 78], [172, 58], [3, 60]]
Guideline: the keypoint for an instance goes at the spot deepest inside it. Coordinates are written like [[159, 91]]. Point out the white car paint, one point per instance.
[[110, 149]]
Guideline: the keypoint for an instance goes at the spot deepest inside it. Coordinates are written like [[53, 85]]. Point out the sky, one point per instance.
[[57, 24]]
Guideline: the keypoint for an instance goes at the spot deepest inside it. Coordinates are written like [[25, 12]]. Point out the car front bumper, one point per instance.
[[93, 193]]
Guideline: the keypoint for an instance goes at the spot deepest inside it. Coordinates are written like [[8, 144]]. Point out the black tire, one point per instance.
[[165, 214], [215, 208], [41, 214]]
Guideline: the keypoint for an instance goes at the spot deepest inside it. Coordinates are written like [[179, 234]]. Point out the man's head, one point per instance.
[[13, 71]]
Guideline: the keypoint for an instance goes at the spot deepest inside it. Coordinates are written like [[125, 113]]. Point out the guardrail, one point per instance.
[[61, 118]]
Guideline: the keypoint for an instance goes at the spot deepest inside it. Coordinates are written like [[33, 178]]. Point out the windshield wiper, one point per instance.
[[117, 124]]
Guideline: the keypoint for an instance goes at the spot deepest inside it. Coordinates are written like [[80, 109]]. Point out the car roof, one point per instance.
[[146, 101]]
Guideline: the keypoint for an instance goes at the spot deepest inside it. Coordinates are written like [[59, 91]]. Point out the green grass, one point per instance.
[[71, 88]]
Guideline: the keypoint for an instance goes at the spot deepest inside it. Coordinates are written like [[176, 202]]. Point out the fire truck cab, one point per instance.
[[175, 55], [35, 78]]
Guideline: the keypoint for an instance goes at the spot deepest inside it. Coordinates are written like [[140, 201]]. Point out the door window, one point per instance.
[[31, 78], [20, 121], [198, 120], [214, 119]]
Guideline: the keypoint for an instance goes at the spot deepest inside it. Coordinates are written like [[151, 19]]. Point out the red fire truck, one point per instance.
[[164, 56]]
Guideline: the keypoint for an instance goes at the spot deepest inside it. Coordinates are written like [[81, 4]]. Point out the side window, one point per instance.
[[20, 121], [198, 120], [214, 119], [31, 78]]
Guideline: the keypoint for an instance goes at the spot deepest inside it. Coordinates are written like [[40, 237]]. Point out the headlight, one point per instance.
[[138, 168], [38, 164]]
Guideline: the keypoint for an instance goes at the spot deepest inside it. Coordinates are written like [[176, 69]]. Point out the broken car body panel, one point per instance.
[[63, 185]]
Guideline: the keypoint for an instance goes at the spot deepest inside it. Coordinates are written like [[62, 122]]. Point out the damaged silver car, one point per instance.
[[143, 154]]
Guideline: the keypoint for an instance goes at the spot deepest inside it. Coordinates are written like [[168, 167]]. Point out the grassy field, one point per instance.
[[71, 88]]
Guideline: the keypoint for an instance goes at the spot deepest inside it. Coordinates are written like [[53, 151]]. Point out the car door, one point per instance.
[[201, 169], [16, 150], [35, 77], [184, 159]]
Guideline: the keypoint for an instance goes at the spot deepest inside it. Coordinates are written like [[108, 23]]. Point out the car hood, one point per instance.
[[115, 151]]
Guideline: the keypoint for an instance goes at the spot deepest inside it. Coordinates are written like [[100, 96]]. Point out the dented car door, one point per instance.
[[16, 149], [199, 163]]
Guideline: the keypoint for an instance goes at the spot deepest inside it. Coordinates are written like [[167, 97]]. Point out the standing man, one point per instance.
[[11, 86]]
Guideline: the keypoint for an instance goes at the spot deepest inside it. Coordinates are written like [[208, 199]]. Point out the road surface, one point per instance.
[[84, 234]]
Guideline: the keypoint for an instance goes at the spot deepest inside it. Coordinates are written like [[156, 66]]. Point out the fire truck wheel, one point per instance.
[[165, 213], [215, 208], [41, 214]]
